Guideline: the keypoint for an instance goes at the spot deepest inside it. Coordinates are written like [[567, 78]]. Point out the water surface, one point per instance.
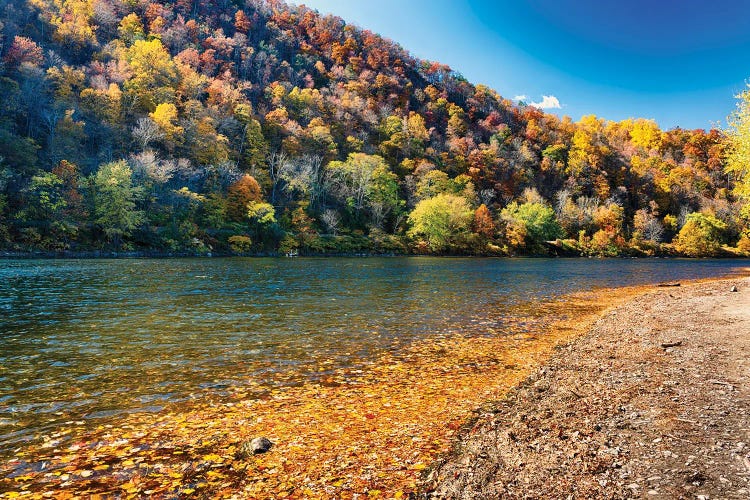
[[89, 340]]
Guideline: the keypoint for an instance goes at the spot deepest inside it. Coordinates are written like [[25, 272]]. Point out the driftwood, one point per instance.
[[666, 345], [668, 285]]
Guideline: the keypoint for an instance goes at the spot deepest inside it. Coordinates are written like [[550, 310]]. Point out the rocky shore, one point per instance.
[[653, 402]]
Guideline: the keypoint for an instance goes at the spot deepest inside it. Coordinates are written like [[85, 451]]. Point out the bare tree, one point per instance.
[[486, 196], [148, 165], [146, 131], [331, 220], [279, 165], [653, 230]]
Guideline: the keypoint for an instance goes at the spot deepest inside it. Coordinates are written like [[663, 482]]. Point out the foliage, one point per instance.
[[441, 221], [240, 244], [531, 225], [397, 414], [700, 236], [114, 197], [338, 126], [738, 160]]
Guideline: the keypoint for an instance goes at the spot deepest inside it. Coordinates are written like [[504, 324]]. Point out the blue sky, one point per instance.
[[679, 62]]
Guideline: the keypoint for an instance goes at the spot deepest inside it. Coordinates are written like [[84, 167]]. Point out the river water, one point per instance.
[[88, 341]]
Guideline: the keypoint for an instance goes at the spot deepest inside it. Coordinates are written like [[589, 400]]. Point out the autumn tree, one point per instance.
[[530, 225], [700, 236], [154, 74], [738, 160], [240, 195], [483, 224], [443, 221]]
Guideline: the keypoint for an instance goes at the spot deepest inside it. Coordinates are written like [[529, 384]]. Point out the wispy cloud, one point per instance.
[[548, 102], [519, 98]]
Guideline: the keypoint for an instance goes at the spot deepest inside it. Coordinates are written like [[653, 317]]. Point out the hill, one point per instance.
[[257, 126]]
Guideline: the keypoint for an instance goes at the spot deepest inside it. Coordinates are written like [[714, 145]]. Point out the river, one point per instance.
[[91, 340]]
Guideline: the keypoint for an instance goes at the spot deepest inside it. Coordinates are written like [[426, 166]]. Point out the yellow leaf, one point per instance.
[[212, 457]]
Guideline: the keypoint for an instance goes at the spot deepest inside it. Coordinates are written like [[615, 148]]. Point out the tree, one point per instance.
[[23, 50], [646, 226], [738, 160], [353, 178], [155, 75], [700, 236], [443, 221], [114, 198], [45, 201], [535, 222], [146, 131], [165, 117], [240, 195], [483, 225]]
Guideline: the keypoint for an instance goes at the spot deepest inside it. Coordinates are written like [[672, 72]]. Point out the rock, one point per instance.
[[254, 447], [734, 289], [541, 386]]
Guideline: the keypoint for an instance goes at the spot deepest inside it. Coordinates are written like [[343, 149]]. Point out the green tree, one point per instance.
[[530, 225], [443, 221], [44, 202], [353, 178], [700, 236], [382, 195], [115, 201]]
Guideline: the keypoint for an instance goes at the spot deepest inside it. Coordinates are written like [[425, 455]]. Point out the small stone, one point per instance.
[[541, 385], [254, 447], [734, 289]]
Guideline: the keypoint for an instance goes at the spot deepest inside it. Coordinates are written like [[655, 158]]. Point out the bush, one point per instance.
[[240, 244]]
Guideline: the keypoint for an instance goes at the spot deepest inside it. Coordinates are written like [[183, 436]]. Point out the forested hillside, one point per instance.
[[255, 126]]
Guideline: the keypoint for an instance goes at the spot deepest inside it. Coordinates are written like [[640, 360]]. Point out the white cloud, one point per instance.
[[548, 102], [519, 98]]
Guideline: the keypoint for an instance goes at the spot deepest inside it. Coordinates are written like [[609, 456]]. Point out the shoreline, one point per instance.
[[158, 255], [653, 400]]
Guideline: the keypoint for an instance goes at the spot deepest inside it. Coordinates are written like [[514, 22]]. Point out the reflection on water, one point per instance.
[[90, 340]]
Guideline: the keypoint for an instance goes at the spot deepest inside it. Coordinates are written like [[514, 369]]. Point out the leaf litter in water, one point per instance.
[[367, 432]]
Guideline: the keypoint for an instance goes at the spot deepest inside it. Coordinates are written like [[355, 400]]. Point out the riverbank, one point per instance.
[[653, 401]]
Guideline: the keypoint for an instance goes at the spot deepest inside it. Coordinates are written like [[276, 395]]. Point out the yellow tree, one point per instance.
[[155, 75], [738, 160], [165, 116]]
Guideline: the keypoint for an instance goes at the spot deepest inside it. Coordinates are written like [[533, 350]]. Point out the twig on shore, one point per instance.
[[667, 345], [719, 382], [574, 393]]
